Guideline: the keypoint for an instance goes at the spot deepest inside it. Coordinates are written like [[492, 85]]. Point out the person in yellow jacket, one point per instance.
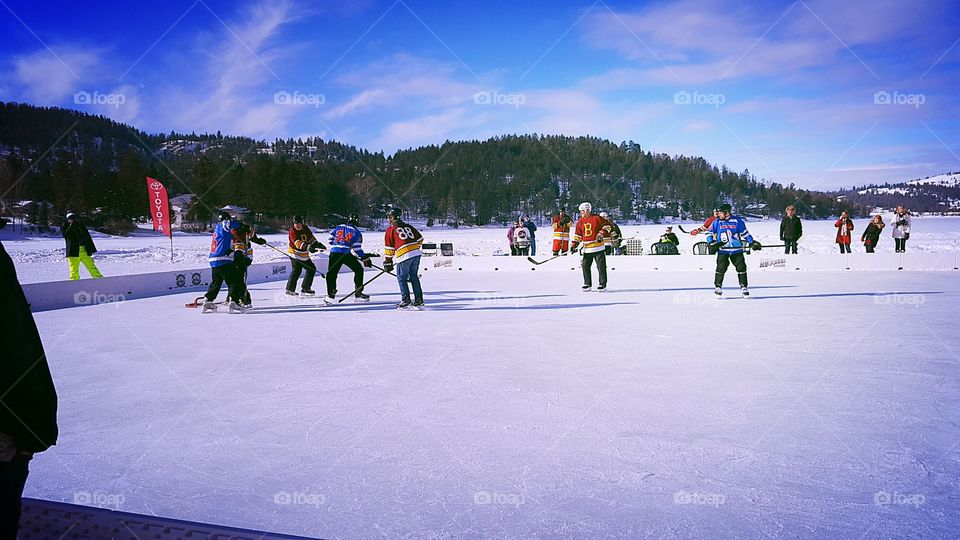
[[79, 247]]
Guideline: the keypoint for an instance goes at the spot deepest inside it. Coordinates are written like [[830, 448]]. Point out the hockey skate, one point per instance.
[[745, 292], [307, 293], [360, 297], [718, 292], [234, 307], [329, 300], [209, 307]]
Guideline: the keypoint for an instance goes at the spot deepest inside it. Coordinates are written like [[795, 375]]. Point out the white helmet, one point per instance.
[[603, 214], [585, 206]]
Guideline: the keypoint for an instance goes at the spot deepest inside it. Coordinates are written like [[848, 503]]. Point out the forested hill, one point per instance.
[[92, 164]]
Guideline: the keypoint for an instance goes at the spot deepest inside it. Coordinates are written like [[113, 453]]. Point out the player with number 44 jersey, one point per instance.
[[401, 250]]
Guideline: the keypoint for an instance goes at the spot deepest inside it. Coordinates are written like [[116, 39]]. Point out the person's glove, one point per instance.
[[756, 246], [367, 263], [906, 236], [257, 240], [238, 258], [388, 265], [713, 248]]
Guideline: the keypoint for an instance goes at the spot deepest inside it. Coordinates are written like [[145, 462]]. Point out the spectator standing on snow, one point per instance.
[[521, 238], [844, 227], [871, 235], [532, 227], [80, 247], [901, 228], [790, 230], [510, 230], [28, 418]]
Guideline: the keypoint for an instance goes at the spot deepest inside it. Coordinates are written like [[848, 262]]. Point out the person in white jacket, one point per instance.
[[521, 238], [901, 228]]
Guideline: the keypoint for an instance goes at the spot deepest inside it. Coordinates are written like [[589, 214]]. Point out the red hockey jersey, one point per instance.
[[401, 242], [590, 231]]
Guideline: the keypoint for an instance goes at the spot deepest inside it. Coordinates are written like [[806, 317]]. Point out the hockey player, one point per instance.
[[611, 237], [227, 261], [345, 240], [302, 244], [706, 224], [591, 230], [247, 237], [401, 247], [561, 223], [728, 238]]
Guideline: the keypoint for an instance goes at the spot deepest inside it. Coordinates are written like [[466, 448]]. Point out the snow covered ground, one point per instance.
[[828, 406], [42, 259]]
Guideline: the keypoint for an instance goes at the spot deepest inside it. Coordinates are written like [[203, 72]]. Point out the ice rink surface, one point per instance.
[[516, 406]]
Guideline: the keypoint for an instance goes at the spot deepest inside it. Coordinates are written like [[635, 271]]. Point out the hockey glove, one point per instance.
[[257, 240], [367, 263], [388, 265], [756, 246], [713, 248]]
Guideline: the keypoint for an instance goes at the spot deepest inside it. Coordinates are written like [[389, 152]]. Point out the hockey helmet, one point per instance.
[[298, 219], [354, 218], [725, 208], [585, 206], [603, 215], [394, 213], [223, 215]]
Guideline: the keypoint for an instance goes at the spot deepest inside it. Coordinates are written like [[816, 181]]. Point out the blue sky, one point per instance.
[[817, 93]]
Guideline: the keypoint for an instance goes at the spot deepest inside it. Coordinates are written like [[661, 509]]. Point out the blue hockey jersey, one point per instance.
[[731, 233], [344, 238], [225, 241]]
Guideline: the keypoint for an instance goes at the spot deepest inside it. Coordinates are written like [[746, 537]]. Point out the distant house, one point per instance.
[[235, 210], [179, 206]]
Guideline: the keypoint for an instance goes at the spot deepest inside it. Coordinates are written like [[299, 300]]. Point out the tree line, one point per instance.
[[93, 165]]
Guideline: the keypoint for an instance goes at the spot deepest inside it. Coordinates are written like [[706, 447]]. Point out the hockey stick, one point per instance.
[[360, 288], [684, 230], [292, 258], [534, 261]]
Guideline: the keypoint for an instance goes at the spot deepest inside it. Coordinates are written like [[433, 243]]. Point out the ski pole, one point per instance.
[[360, 288]]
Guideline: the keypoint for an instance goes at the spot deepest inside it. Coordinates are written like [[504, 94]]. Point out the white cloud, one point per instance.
[[46, 79]]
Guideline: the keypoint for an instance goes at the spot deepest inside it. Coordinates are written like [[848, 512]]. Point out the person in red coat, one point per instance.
[[844, 227]]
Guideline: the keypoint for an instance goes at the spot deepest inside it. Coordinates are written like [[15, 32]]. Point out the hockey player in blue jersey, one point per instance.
[[345, 240], [227, 263], [728, 238]]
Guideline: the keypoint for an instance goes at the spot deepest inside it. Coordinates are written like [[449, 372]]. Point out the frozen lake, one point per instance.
[[827, 406]]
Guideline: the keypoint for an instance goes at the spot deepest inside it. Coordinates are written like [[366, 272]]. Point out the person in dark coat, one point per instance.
[[790, 230], [80, 247], [28, 415], [871, 235]]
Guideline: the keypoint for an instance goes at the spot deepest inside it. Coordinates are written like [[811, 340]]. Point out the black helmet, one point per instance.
[[394, 213], [725, 208], [223, 215], [354, 218], [298, 218]]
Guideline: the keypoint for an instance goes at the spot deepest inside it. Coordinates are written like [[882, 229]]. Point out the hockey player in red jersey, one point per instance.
[[401, 246], [561, 232], [706, 224], [591, 230]]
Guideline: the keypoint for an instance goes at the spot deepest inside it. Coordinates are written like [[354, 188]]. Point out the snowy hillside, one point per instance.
[[949, 180]]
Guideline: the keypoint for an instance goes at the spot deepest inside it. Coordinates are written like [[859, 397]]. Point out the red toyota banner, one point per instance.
[[159, 206]]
